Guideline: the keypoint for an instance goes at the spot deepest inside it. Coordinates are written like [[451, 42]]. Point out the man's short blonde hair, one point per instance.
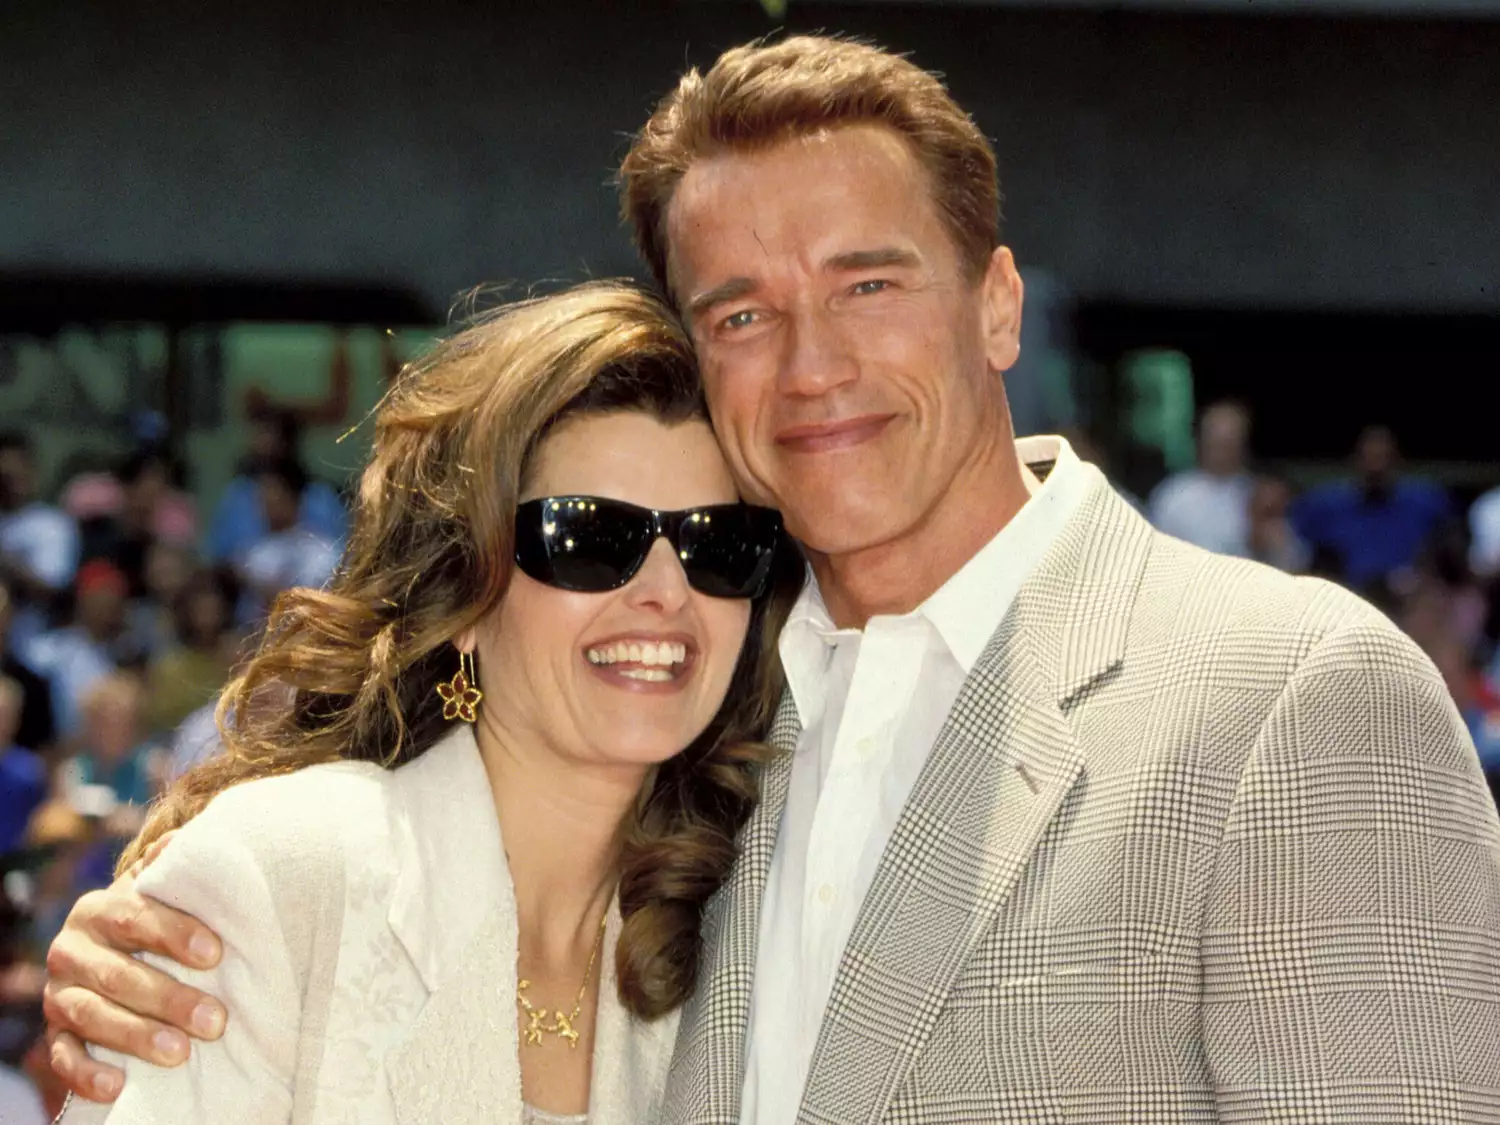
[[757, 95]]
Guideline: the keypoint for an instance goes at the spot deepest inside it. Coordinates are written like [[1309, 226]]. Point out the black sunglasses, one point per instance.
[[590, 544]]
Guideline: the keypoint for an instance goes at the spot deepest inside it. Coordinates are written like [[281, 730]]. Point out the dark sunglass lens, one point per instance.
[[579, 543], [727, 551]]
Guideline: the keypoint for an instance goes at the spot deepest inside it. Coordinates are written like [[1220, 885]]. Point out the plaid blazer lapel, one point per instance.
[[708, 1070], [998, 774]]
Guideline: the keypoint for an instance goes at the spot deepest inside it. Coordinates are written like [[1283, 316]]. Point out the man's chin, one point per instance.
[[831, 532]]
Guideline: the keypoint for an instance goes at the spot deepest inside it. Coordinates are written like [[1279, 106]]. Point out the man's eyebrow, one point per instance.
[[873, 259], [728, 291]]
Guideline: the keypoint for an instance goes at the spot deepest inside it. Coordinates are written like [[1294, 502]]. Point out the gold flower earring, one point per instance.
[[461, 695]]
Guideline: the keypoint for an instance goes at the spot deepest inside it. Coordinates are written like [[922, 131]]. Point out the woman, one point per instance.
[[484, 905]]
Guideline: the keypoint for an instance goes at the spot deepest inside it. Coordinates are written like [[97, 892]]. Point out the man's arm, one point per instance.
[[1351, 956], [220, 868], [97, 991]]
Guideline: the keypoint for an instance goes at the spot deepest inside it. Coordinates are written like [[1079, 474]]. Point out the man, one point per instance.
[[78, 655], [239, 519], [36, 731], [38, 542], [1484, 533], [1379, 522], [290, 552], [1074, 822], [1270, 538], [1210, 505]]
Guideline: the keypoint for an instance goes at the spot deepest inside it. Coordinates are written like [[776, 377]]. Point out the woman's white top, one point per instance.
[[370, 935]]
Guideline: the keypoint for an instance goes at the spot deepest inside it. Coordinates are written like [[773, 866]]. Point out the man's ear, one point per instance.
[[1003, 295]]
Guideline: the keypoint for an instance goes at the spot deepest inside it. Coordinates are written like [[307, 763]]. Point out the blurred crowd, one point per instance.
[[123, 610], [122, 613]]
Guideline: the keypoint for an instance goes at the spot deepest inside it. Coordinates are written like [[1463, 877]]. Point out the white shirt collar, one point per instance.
[[968, 608]]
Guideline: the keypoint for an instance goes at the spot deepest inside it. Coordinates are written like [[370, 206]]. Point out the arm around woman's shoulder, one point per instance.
[[263, 867]]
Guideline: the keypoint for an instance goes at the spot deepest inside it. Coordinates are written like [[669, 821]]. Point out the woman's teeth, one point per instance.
[[658, 661], [650, 675]]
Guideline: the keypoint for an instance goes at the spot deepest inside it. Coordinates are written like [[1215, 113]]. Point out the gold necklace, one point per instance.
[[563, 1026]]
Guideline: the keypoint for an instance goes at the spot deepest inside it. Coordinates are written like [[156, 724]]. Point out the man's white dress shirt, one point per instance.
[[872, 703]]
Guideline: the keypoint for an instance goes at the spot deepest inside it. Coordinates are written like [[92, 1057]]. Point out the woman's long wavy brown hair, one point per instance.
[[350, 672]]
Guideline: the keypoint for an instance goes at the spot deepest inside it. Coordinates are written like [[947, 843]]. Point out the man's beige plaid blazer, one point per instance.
[[1199, 842]]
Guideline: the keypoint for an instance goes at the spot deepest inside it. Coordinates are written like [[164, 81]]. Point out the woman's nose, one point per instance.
[[661, 582]]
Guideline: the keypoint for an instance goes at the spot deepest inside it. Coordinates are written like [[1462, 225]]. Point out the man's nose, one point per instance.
[[816, 356]]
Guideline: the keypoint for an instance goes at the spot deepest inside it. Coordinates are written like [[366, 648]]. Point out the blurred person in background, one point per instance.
[[1376, 523], [39, 545], [290, 553], [130, 511], [78, 655], [109, 783], [1441, 597], [71, 841], [1465, 679], [36, 730], [20, 1103], [151, 618], [1270, 538], [1209, 506], [1484, 535], [240, 518], [195, 739], [23, 773], [113, 754], [188, 674]]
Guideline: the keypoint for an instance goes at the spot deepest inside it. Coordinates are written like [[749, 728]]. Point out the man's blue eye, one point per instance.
[[739, 319], [873, 286]]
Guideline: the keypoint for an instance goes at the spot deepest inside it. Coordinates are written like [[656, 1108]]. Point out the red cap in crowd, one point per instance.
[[99, 574]]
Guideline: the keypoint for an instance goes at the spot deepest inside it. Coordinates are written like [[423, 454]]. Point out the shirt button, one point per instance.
[[825, 894], [865, 746]]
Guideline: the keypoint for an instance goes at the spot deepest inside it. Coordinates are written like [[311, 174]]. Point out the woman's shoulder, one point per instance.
[[302, 829]]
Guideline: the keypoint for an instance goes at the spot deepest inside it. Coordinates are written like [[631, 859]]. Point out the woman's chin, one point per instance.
[[644, 747]]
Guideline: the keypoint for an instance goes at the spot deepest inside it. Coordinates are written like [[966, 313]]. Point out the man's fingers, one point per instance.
[[91, 1017], [85, 1076], [77, 965], [133, 923]]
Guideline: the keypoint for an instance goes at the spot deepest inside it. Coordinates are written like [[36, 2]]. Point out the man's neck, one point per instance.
[[897, 576]]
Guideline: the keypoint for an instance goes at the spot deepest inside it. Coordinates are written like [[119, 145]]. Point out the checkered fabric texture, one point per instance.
[[1199, 842]]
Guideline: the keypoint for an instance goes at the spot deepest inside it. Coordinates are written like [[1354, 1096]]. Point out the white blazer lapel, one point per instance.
[[999, 774], [630, 1058], [454, 911]]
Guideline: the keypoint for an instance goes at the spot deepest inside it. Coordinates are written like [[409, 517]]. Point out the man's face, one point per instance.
[[1223, 436], [1375, 455], [279, 502], [266, 441], [101, 611], [849, 362]]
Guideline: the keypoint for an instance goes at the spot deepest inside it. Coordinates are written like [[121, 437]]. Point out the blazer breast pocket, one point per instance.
[[1105, 962]]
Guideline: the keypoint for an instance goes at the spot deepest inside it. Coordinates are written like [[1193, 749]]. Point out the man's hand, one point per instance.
[[97, 992]]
